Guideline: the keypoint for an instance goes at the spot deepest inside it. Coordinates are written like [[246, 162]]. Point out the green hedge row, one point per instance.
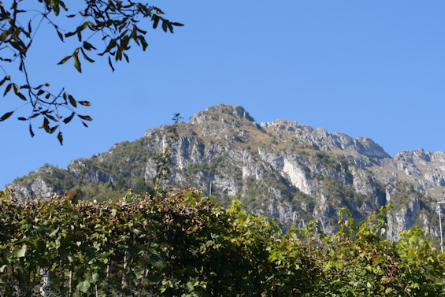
[[183, 244]]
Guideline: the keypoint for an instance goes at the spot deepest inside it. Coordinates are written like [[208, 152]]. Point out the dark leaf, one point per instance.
[[7, 89], [85, 103], [88, 46], [141, 31], [170, 27], [51, 130], [110, 46], [86, 57], [69, 118], [6, 115], [111, 64], [85, 117], [60, 35], [60, 137], [21, 119], [45, 125], [73, 101], [158, 10], [21, 96], [51, 117], [69, 34], [155, 19], [7, 77], [143, 42], [85, 124], [164, 25], [30, 131]]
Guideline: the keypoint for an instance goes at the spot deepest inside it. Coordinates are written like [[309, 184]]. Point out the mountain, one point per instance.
[[283, 169]]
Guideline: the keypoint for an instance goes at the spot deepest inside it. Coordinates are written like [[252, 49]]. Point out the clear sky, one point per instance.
[[365, 68]]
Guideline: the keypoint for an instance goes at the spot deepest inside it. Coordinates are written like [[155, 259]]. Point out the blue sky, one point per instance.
[[365, 68]]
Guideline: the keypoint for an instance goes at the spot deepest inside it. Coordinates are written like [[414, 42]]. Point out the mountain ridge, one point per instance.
[[289, 171]]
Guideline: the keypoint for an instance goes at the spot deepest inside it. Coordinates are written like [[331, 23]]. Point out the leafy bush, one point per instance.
[[183, 244]]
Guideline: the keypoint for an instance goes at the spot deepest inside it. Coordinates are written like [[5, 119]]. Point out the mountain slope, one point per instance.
[[283, 169]]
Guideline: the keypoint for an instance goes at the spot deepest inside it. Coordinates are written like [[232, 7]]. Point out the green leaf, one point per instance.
[[77, 62], [21, 252], [84, 286], [17, 92], [64, 60], [53, 233], [56, 7]]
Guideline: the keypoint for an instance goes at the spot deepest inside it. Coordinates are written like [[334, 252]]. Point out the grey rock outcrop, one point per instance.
[[289, 171]]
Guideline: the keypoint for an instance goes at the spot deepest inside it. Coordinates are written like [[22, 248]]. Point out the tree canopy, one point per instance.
[[100, 29]]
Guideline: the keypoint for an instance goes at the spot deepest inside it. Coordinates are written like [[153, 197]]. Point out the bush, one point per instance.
[[183, 244]]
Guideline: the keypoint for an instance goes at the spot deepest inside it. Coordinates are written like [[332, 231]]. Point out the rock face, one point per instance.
[[289, 171]]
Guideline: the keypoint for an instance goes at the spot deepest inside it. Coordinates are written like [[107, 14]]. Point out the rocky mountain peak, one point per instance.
[[222, 113], [284, 169]]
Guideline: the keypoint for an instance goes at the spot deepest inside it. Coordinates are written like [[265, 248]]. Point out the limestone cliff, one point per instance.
[[289, 171]]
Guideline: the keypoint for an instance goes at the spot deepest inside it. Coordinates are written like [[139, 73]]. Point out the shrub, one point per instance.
[[183, 244]]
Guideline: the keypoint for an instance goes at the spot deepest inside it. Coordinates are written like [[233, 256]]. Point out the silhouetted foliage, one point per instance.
[[105, 29]]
